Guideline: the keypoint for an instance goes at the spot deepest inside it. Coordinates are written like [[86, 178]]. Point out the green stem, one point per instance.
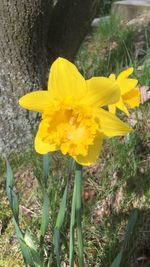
[[72, 226], [78, 183]]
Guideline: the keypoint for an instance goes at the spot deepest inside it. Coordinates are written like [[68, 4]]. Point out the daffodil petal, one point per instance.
[[132, 99], [110, 125], [41, 146], [93, 152], [102, 91], [66, 81], [36, 101], [112, 77], [125, 74], [112, 108], [127, 84], [122, 107]]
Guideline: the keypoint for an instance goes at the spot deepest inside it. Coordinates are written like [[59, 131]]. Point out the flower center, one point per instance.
[[71, 128]]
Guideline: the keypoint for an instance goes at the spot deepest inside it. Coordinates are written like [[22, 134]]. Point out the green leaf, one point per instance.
[[46, 162], [50, 261], [72, 226], [45, 216], [78, 209], [27, 246], [117, 260], [59, 223], [56, 242], [14, 204], [13, 200], [25, 251], [29, 242], [130, 226], [9, 180], [62, 209], [129, 231]]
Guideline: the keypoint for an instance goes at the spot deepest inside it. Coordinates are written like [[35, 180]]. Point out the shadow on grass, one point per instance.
[[137, 251]]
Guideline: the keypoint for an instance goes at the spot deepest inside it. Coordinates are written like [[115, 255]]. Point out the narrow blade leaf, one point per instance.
[[131, 225], [29, 242], [46, 162], [45, 216], [117, 260], [14, 204], [78, 209], [56, 241], [72, 227], [62, 209], [25, 251], [9, 180], [129, 231], [59, 223]]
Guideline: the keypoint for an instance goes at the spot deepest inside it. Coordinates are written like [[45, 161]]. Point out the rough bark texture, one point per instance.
[[32, 35], [23, 63]]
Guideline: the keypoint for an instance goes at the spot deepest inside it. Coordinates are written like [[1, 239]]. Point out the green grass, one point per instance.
[[107, 50], [111, 48], [144, 73], [116, 184]]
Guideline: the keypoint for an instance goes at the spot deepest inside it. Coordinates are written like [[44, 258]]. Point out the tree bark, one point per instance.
[[32, 35], [70, 22], [23, 63]]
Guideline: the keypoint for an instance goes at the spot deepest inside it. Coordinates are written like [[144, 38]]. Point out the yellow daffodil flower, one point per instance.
[[130, 95], [72, 118]]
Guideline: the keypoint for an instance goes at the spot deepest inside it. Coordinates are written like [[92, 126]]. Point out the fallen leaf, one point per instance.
[[145, 93], [103, 209], [89, 192], [118, 199]]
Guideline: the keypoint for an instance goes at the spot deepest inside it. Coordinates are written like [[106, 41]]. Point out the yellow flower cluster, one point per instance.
[[73, 118], [130, 94]]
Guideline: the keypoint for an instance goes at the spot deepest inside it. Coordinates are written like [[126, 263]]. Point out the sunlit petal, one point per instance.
[[112, 108], [36, 101], [127, 84], [132, 99], [121, 106], [66, 81], [110, 125], [93, 152], [41, 145], [125, 74], [102, 91], [112, 77]]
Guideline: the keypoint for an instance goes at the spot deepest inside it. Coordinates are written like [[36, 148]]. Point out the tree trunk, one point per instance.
[[32, 35], [72, 19]]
